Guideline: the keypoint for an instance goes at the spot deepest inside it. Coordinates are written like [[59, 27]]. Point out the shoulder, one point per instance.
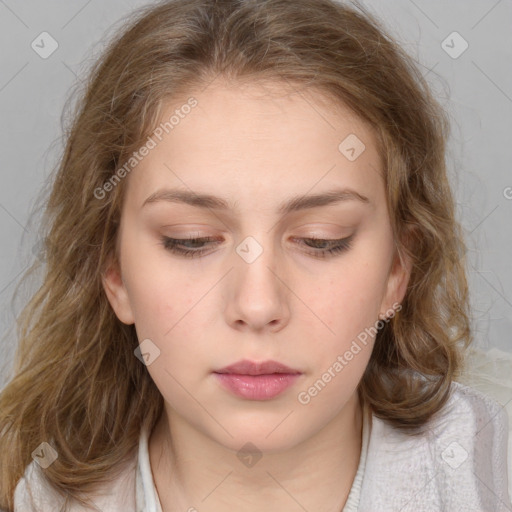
[[34, 493], [469, 417], [472, 416], [459, 462]]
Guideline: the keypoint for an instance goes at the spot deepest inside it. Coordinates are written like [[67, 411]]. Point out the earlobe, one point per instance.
[[117, 294], [397, 282]]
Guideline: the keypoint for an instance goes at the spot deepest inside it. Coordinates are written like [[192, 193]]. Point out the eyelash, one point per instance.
[[172, 245]]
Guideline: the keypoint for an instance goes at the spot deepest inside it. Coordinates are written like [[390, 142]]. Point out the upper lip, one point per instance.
[[246, 367]]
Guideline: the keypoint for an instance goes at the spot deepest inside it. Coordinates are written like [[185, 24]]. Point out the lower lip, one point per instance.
[[257, 387]]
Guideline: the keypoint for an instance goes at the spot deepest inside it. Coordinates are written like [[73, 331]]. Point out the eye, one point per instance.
[[328, 247], [175, 245], [182, 246]]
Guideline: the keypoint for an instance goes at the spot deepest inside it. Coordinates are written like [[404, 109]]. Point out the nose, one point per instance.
[[257, 293]]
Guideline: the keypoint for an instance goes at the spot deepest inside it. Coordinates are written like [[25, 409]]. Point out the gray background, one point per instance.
[[475, 88]]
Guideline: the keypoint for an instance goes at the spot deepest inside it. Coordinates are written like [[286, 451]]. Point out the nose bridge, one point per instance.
[[258, 257], [258, 294]]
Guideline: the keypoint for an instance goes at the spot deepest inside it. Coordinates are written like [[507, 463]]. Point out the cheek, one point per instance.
[[338, 356], [167, 312], [169, 309], [159, 294], [164, 307], [349, 301]]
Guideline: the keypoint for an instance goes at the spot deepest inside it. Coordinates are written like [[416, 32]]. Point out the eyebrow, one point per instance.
[[293, 204]]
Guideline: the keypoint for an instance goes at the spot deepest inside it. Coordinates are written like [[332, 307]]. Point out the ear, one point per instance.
[[398, 280], [116, 292]]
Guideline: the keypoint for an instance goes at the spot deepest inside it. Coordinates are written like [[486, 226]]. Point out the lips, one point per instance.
[[246, 367], [257, 381]]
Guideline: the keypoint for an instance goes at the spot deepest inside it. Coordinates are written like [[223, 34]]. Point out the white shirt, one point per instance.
[[459, 463]]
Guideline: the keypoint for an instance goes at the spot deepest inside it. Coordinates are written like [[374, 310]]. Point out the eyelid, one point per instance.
[[335, 246]]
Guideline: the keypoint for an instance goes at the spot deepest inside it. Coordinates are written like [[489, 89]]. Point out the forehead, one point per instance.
[[256, 143]]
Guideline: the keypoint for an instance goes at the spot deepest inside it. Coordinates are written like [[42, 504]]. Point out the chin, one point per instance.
[[270, 436]]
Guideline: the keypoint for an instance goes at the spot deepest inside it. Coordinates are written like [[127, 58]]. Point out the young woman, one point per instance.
[[255, 295]]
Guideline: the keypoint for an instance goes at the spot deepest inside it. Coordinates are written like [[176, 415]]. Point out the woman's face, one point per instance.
[[259, 173]]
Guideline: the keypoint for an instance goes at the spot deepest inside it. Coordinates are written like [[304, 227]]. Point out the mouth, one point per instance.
[[246, 367], [257, 381]]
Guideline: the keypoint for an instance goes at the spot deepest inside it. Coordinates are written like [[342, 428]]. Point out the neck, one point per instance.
[[193, 472]]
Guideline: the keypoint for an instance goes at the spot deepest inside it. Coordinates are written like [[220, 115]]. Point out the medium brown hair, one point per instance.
[[76, 382]]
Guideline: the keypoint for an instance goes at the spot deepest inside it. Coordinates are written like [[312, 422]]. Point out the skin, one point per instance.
[[257, 145]]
